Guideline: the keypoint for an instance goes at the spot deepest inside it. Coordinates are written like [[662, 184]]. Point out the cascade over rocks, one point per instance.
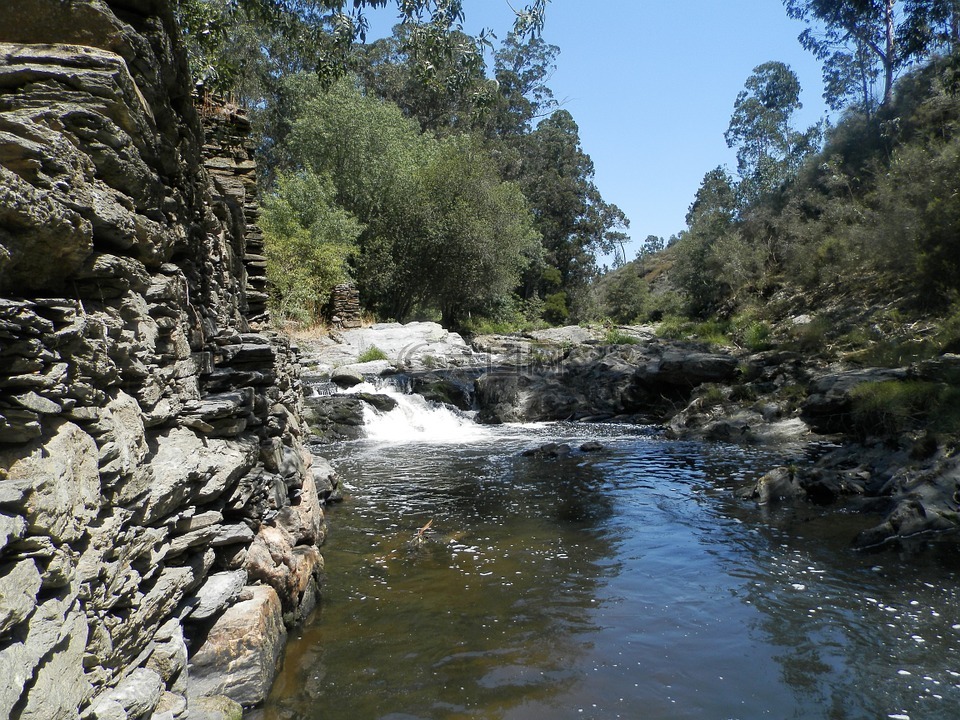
[[155, 493]]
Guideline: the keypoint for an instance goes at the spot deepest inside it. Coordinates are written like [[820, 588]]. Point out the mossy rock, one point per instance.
[[215, 707]]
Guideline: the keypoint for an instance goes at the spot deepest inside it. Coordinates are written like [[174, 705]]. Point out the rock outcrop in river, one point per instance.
[[637, 383], [159, 517]]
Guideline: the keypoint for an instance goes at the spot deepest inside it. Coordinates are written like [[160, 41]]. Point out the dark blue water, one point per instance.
[[627, 583]]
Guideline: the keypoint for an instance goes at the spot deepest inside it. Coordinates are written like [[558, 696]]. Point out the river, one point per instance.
[[465, 580]]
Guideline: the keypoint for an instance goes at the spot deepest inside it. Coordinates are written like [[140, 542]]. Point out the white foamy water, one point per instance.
[[417, 420]]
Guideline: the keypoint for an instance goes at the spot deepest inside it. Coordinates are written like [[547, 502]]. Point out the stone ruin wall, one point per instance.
[[159, 515]]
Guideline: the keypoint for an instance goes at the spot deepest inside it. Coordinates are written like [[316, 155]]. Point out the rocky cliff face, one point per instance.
[[159, 516]]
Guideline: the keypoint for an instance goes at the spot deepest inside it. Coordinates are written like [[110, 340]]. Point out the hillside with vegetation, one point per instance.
[[852, 224]]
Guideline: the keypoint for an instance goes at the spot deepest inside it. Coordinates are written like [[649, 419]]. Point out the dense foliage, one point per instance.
[[441, 187], [447, 188]]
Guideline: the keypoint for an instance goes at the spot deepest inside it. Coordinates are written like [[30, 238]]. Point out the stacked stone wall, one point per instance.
[[155, 493]]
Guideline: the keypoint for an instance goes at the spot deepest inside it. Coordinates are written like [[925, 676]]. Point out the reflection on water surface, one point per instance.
[[627, 583]]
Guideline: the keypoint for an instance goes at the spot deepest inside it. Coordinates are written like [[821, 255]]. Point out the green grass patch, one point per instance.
[[756, 336], [372, 353], [899, 406], [712, 332], [487, 326], [616, 336], [894, 352], [711, 395]]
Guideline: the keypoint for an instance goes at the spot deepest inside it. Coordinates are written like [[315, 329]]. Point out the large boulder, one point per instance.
[[240, 655], [334, 417], [829, 403], [643, 381]]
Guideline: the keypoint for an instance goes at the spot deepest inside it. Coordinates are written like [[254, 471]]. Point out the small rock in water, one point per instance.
[[346, 377], [383, 403], [548, 450], [591, 446]]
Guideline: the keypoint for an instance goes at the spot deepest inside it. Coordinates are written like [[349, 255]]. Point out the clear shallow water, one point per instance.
[[622, 584]]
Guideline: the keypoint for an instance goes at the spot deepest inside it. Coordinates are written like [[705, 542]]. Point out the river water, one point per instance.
[[625, 583]]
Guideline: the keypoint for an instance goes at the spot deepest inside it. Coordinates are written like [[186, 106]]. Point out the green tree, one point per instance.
[[451, 93], [715, 205], [521, 69], [625, 295], [931, 24], [698, 267], [769, 150], [479, 233], [372, 153], [309, 241], [235, 44], [572, 217]]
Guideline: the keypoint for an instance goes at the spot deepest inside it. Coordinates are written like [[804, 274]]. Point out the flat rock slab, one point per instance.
[[217, 707], [569, 335], [416, 345], [216, 593]]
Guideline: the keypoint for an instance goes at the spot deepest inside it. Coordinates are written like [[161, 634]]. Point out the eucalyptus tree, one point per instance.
[[522, 67], [769, 149], [449, 94], [231, 42], [858, 43], [931, 25]]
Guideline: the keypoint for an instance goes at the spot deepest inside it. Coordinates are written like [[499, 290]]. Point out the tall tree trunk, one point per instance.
[[955, 26], [890, 52]]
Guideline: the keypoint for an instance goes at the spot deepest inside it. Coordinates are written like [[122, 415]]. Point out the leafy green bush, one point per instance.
[[750, 331], [308, 241], [712, 332], [757, 335], [624, 295], [555, 310], [508, 315]]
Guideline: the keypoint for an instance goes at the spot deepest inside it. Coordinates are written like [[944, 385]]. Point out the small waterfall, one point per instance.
[[415, 419]]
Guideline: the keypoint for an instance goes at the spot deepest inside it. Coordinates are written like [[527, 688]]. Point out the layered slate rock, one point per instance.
[[152, 466]]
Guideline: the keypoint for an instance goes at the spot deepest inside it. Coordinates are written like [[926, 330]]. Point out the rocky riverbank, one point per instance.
[[799, 404], [159, 514]]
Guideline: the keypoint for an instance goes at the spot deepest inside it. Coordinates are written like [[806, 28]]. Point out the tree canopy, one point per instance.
[[440, 231]]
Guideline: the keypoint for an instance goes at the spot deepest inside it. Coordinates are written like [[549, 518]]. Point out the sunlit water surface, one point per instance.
[[627, 583]]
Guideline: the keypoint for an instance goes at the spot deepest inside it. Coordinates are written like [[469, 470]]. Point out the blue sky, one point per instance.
[[652, 84]]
